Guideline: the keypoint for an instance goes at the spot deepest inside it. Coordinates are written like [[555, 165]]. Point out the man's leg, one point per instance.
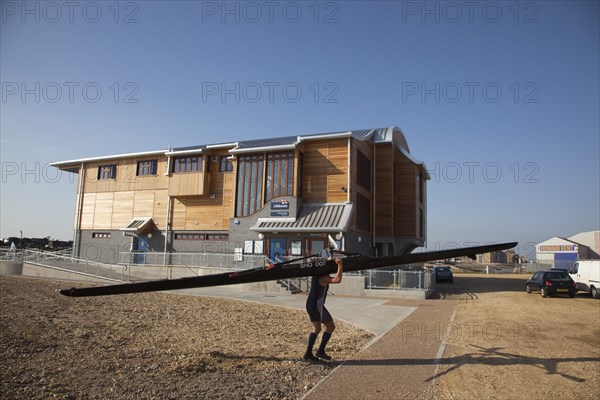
[[329, 328], [312, 338]]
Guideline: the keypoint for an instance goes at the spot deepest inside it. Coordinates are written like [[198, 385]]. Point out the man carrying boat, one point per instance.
[[315, 306]]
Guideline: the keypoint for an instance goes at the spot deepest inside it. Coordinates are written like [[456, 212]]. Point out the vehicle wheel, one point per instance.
[[544, 291], [571, 294], [594, 292], [528, 288]]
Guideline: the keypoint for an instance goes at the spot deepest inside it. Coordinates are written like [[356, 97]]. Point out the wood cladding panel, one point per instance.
[[189, 184], [104, 210], [178, 215], [87, 211], [160, 208], [325, 171], [143, 205], [126, 178], [406, 212], [228, 193], [122, 209]]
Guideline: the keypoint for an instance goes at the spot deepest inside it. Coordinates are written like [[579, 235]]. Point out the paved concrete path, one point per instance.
[[374, 315], [400, 365]]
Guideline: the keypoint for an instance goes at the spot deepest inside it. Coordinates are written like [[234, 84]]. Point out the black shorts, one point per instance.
[[318, 315]]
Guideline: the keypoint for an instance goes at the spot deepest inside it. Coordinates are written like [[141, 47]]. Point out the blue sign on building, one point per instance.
[[280, 205]]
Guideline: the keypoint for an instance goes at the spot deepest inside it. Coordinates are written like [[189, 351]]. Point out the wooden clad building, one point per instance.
[[286, 196]]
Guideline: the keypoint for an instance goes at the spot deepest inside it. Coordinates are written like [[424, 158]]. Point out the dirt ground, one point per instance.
[[154, 345], [507, 344], [502, 343]]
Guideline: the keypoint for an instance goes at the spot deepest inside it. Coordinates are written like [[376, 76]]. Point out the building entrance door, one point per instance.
[[140, 247], [316, 246], [277, 249]]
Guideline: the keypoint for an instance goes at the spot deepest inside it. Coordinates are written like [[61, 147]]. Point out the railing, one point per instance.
[[135, 265], [76, 265], [212, 260], [396, 279], [11, 255]]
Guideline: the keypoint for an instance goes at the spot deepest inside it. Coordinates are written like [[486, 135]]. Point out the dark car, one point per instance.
[[443, 274], [551, 282]]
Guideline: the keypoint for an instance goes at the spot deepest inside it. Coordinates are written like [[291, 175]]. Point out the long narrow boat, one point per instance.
[[284, 270]]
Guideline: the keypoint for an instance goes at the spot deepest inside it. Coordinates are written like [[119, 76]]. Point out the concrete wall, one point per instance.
[[11, 267]]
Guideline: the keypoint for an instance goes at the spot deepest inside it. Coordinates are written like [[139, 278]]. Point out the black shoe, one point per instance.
[[323, 356], [309, 357]]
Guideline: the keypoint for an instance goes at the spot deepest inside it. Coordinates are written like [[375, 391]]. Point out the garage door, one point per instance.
[[564, 260]]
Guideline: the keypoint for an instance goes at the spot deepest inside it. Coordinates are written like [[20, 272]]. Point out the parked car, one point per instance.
[[551, 283], [586, 275], [443, 273]]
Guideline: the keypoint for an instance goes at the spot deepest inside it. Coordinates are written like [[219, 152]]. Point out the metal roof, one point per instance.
[[392, 135], [137, 225], [328, 217]]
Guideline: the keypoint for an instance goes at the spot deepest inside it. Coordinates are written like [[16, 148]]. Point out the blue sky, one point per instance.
[[499, 99]]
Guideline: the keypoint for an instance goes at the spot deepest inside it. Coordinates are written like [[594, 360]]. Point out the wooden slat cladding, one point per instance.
[[126, 178], [384, 190], [114, 210], [189, 184], [325, 171], [195, 213], [406, 205]]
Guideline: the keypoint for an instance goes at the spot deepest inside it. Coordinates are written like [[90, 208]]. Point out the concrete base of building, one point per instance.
[[11, 267]]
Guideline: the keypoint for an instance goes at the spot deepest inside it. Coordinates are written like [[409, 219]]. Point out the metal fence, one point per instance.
[[153, 265], [397, 279], [214, 260], [72, 264]]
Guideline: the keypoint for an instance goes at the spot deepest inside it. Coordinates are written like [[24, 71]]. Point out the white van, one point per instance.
[[586, 275]]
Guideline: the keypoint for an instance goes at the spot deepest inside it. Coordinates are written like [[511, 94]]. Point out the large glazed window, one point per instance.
[[187, 164], [280, 175], [363, 170], [249, 185], [363, 213]]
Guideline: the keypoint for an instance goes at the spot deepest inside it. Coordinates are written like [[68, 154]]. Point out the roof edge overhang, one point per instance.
[[222, 145], [71, 164], [295, 230], [337, 135], [421, 164], [184, 152], [263, 148]]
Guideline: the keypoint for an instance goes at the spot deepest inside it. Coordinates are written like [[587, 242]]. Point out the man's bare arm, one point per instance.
[[326, 279]]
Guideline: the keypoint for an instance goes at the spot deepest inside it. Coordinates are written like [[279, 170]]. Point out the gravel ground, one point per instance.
[[507, 344], [154, 345]]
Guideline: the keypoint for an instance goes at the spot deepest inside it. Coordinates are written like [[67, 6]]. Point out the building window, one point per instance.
[[101, 235], [189, 236], [249, 185], [202, 236], [253, 247], [187, 164], [363, 213], [217, 236], [225, 164], [146, 167], [296, 247], [107, 172], [363, 170], [280, 175]]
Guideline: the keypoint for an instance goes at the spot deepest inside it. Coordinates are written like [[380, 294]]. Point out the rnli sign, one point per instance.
[[280, 205]]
